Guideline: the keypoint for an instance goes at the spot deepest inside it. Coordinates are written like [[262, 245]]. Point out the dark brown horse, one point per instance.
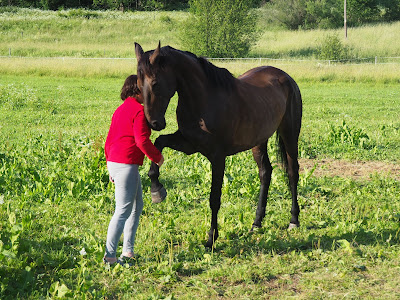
[[220, 115]]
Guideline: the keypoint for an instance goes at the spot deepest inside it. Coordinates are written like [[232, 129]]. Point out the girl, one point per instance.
[[126, 145]]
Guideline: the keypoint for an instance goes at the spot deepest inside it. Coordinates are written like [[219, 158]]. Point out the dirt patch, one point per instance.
[[354, 169]]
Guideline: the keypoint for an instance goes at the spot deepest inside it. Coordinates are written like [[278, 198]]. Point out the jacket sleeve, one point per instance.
[[106, 145], [142, 133]]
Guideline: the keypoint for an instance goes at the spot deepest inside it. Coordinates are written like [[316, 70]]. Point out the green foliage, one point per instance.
[[290, 13], [219, 28], [294, 14], [363, 11], [56, 202], [100, 4], [323, 14], [15, 97], [344, 134], [332, 48]]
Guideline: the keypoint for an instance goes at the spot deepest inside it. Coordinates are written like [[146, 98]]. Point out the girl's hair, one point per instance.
[[130, 88]]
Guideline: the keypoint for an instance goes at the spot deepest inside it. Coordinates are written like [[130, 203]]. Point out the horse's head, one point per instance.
[[156, 81]]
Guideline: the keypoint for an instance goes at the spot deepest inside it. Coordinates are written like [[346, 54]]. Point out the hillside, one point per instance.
[[80, 33]]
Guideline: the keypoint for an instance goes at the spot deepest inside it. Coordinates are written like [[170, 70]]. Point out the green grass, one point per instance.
[[56, 201], [112, 34]]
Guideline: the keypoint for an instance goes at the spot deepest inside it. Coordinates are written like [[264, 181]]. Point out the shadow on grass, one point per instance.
[[247, 242], [35, 267]]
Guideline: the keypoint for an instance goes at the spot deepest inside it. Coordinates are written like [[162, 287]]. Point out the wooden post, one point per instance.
[[345, 19]]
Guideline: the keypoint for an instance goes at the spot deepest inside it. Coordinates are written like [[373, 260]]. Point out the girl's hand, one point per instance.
[[161, 161]]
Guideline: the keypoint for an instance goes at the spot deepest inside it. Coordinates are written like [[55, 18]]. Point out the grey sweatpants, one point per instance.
[[128, 207]]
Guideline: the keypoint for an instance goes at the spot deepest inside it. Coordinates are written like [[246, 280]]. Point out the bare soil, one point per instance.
[[354, 169]]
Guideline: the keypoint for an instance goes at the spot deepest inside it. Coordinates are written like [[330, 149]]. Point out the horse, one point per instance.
[[219, 115]]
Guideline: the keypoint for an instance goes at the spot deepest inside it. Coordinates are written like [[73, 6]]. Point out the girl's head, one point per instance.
[[130, 88]]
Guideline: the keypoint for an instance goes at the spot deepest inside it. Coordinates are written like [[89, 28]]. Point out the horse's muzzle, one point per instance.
[[158, 125]]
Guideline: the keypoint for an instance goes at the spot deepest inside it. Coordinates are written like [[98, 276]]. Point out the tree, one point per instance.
[[224, 28], [324, 14], [362, 11]]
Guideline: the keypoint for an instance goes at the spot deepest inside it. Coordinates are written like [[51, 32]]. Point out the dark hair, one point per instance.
[[130, 88]]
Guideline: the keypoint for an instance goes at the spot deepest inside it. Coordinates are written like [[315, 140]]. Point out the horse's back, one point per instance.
[[264, 76]]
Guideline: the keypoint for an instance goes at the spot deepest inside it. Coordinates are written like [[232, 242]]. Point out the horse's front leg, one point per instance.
[[174, 141], [218, 169]]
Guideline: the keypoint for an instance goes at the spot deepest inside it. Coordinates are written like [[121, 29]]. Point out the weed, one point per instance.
[[344, 134]]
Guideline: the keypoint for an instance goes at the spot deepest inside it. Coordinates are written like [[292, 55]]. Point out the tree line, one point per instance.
[[326, 14], [292, 14]]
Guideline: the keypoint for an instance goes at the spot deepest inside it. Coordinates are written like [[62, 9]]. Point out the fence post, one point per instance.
[[376, 59], [9, 51]]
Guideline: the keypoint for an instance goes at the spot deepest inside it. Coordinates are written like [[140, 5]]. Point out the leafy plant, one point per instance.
[[344, 134], [332, 48], [219, 28]]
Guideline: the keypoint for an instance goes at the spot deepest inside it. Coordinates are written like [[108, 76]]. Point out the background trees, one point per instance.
[[308, 14]]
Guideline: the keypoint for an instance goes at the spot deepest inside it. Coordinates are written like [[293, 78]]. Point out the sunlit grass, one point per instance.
[[55, 198], [306, 70], [112, 34]]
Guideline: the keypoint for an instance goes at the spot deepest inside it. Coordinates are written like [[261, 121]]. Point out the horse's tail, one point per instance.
[[292, 117], [281, 151]]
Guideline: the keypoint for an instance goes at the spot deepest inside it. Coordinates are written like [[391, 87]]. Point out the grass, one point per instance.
[[54, 180], [367, 41], [117, 68], [111, 34], [56, 201]]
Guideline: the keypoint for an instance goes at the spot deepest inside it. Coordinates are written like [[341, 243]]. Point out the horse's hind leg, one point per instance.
[[288, 144], [260, 155], [293, 173]]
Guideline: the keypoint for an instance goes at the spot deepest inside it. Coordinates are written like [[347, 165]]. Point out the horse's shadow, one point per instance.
[[246, 242]]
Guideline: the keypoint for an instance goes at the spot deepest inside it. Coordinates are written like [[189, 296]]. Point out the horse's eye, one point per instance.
[[154, 86]]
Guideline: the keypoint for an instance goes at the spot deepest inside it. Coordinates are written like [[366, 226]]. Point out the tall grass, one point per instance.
[[307, 70], [111, 34], [367, 41]]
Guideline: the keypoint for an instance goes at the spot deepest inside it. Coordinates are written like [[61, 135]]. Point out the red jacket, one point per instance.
[[128, 139]]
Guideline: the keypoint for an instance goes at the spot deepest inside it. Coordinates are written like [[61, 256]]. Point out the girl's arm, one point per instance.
[[142, 133]]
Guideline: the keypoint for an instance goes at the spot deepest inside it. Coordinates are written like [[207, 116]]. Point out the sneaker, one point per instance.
[[106, 262]]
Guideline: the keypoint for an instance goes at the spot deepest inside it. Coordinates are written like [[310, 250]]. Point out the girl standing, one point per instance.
[[127, 143]]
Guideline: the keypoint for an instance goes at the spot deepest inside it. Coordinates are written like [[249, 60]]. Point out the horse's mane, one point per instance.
[[218, 77]]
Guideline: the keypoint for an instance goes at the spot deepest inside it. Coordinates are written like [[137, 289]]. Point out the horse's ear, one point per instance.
[[139, 51], [156, 54]]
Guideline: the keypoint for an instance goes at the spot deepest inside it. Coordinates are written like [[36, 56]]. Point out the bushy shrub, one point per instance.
[[223, 28], [332, 48]]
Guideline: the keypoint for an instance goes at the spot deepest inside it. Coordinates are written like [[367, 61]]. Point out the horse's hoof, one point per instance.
[[292, 226], [208, 246], [255, 228], [159, 196]]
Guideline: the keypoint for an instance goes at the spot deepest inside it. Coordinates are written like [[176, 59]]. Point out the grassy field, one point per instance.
[[56, 204], [111, 34], [56, 201]]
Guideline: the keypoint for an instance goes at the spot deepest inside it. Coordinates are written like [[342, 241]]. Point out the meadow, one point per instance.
[[56, 200]]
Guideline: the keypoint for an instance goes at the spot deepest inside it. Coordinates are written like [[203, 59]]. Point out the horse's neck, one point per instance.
[[192, 83]]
